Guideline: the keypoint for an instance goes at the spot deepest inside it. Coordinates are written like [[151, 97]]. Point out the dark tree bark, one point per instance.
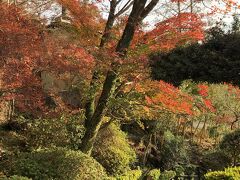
[[109, 24], [90, 104], [112, 17], [92, 125]]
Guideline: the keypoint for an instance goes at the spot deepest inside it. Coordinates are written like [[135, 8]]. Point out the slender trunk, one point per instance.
[[147, 151], [90, 104], [237, 118], [109, 24], [10, 112], [203, 129], [179, 7], [199, 122], [179, 13], [192, 130], [234, 158], [93, 125], [64, 12], [191, 6]]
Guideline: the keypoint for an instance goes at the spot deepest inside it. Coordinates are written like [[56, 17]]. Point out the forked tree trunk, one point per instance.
[[90, 104], [92, 125], [93, 121]]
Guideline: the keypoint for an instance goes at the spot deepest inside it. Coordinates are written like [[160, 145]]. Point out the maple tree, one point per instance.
[[94, 120], [20, 43], [181, 24], [164, 97], [26, 52], [38, 53]]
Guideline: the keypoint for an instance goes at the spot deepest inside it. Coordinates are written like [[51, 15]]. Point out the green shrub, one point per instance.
[[42, 133], [215, 161], [130, 175], [235, 170], [218, 175], [231, 144], [153, 174], [14, 178], [113, 151], [173, 151], [58, 163], [167, 175], [227, 174], [179, 170], [190, 169]]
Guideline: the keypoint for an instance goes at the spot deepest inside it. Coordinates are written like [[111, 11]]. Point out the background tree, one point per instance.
[[214, 61]]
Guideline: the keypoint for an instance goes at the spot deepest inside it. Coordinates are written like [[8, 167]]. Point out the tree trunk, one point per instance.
[[109, 24], [64, 12], [90, 104], [93, 124]]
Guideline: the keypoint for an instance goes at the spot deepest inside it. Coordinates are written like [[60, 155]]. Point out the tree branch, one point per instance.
[[148, 8]]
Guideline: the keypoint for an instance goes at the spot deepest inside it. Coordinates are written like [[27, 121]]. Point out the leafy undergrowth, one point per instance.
[[11, 141]]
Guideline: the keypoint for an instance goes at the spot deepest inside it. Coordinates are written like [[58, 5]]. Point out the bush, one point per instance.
[[130, 175], [173, 151], [45, 133], [227, 174], [217, 175], [167, 175], [231, 144], [215, 161], [180, 170], [113, 151], [153, 174], [60, 163], [14, 178]]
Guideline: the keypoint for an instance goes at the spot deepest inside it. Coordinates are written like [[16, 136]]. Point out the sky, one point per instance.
[[155, 16]]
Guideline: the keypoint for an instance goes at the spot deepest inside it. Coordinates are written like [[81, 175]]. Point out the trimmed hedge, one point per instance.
[[130, 175], [227, 174], [14, 178], [60, 164], [153, 174], [113, 151]]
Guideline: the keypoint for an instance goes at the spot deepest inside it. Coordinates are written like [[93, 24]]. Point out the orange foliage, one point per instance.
[[83, 14], [203, 90], [234, 90], [178, 30], [166, 97], [25, 52], [87, 18]]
